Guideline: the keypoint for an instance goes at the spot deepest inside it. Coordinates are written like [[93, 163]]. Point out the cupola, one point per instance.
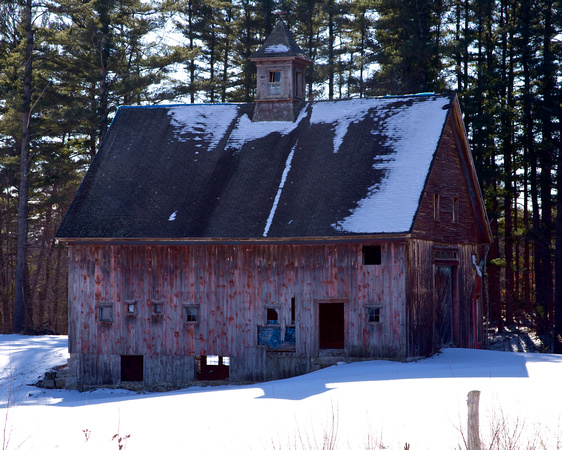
[[281, 66]]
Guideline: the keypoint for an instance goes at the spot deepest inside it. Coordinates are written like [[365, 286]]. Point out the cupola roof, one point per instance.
[[280, 43]]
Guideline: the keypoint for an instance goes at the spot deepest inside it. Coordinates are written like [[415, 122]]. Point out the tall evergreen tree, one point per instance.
[[410, 57]]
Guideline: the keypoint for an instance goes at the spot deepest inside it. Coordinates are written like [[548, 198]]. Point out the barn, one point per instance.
[[258, 241]]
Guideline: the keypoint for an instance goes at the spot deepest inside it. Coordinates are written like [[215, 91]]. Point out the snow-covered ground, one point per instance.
[[364, 405]]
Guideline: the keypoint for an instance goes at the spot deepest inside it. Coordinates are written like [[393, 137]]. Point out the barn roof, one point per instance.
[[342, 168]]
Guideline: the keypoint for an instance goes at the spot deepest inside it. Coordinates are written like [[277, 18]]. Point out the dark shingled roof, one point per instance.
[[280, 43], [348, 167]]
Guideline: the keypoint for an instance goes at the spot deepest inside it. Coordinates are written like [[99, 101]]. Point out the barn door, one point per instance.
[[443, 326], [331, 330]]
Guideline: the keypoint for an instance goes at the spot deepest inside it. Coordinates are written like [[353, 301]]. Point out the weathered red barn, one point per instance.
[[261, 241]]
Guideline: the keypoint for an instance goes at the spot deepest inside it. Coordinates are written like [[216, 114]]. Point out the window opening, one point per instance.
[[446, 255], [212, 360], [105, 313], [436, 206], [373, 314], [274, 83], [131, 307], [272, 316], [212, 367], [293, 305], [132, 367], [372, 255], [455, 209], [191, 313], [157, 308]]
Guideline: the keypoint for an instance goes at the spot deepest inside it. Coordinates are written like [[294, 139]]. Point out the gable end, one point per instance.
[[451, 209]]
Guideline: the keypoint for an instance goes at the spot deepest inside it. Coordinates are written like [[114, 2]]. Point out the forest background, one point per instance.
[[67, 65]]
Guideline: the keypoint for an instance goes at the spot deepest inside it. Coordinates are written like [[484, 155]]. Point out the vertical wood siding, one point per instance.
[[447, 180], [422, 298], [233, 285]]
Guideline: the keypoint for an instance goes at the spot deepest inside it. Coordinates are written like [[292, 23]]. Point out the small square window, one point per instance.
[[373, 314], [105, 313], [191, 314], [157, 308], [130, 307], [372, 255]]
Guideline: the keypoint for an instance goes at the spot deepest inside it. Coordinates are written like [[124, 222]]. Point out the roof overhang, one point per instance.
[[394, 237]]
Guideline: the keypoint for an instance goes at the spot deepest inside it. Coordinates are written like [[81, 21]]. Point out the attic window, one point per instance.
[[455, 209], [436, 206], [274, 83], [372, 255]]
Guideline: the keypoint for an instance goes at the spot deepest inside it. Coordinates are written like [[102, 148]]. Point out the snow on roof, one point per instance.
[[245, 130], [206, 121], [377, 154], [341, 114], [278, 48], [392, 205]]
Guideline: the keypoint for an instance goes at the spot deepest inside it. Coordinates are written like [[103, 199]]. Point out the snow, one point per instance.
[[208, 122], [277, 48], [413, 134], [246, 131], [362, 405], [279, 191], [341, 114]]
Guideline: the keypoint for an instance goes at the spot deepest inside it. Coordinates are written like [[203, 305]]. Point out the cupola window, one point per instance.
[[274, 83]]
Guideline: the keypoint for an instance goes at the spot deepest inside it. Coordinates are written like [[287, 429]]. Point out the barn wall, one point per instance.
[[422, 257], [437, 225], [232, 286], [448, 180]]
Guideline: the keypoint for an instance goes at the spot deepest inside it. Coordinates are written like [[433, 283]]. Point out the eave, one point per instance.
[[390, 237]]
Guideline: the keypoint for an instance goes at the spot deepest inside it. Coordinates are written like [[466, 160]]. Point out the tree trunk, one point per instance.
[[558, 259], [331, 7], [21, 305], [104, 47]]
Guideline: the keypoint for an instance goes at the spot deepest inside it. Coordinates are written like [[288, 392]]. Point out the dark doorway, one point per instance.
[[212, 367], [331, 326], [132, 367], [443, 325]]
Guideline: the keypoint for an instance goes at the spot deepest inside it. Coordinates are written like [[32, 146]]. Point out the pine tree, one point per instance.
[[410, 47]]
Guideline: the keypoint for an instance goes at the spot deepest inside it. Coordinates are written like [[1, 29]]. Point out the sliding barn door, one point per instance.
[[443, 326]]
